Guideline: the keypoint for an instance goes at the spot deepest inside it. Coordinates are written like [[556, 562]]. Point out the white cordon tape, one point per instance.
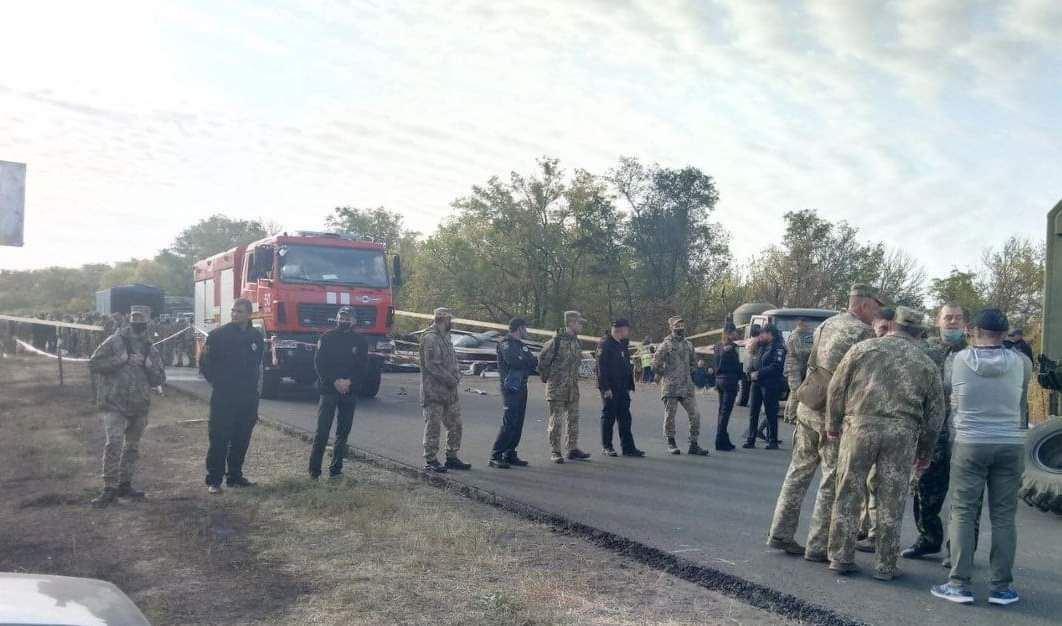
[[180, 332], [30, 348]]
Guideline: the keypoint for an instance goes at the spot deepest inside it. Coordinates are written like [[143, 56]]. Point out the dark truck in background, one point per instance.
[[119, 298]]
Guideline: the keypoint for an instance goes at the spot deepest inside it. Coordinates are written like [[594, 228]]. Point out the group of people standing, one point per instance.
[[875, 405], [881, 405]]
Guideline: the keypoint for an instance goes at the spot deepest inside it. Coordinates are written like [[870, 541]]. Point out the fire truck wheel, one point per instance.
[[370, 385], [1042, 484], [270, 385]]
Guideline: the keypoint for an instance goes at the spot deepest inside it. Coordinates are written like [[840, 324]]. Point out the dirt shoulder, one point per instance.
[[374, 548]]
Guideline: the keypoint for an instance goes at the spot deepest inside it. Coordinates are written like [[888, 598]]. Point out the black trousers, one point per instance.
[[230, 427], [727, 396], [617, 410], [745, 389], [769, 397], [512, 427], [340, 409]]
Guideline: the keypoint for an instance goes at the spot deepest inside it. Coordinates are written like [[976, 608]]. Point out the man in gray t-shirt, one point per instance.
[[986, 390]]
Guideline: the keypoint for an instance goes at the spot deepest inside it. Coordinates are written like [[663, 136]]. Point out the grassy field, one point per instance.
[[374, 548]]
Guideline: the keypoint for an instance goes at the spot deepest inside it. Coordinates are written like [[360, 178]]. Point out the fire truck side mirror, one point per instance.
[[396, 271]]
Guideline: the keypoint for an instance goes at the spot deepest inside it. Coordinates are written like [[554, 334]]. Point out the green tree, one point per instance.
[[1013, 278], [959, 288], [676, 252]]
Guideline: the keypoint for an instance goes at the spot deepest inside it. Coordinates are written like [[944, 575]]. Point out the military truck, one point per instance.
[[1042, 485]]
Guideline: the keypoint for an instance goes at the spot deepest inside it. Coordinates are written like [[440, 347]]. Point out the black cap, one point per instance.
[[621, 322], [992, 320], [729, 327], [516, 323]]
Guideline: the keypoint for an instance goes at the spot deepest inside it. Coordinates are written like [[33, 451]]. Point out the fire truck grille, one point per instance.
[[324, 315]]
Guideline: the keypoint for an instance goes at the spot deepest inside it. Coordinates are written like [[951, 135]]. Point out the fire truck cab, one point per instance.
[[296, 283]]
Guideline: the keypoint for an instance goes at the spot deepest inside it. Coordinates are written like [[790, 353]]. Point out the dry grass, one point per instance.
[[379, 549]]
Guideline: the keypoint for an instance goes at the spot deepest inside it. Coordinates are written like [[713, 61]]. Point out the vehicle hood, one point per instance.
[[65, 601]]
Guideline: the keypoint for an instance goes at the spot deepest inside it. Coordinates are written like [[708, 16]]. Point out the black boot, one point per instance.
[[452, 462], [125, 490], [672, 447], [106, 497], [696, 450]]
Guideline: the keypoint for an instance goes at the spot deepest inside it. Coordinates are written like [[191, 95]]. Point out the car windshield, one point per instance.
[[323, 264], [787, 324]]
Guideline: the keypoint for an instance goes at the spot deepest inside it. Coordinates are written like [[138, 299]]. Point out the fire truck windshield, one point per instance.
[[324, 264]]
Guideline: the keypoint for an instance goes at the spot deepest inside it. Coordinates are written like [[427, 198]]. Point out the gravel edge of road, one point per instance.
[[754, 594]]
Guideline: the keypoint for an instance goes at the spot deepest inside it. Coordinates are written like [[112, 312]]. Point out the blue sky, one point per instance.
[[933, 126]]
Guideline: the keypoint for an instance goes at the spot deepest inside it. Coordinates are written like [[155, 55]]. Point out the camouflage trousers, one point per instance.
[[689, 404], [790, 414], [811, 451], [437, 415], [890, 446], [563, 412], [868, 519], [122, 449], [928, 495]]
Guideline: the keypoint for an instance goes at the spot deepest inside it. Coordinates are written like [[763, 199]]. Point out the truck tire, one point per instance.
[[370, 385], [269, 385], [1042, 484]]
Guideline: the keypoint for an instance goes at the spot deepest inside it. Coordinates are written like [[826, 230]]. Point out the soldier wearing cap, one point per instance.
[[126, 367], [232, 363], [558, 365], [439, 378], [673, 363], [888, 396], [811, 447], [615, 381], [341, 358]]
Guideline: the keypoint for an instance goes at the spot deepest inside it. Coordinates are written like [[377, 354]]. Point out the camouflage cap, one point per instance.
[[906, 316], [674, 321], [571, 316], [442, 312], [863, 290], [139, 311]]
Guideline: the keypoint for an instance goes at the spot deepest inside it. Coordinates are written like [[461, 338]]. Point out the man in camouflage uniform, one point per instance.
[[185, 344], [932, 486], [888, 395], [113, 323], [439, 378], [127, 367], [797, 349], [673, 364], [558, 365], [811, 448]]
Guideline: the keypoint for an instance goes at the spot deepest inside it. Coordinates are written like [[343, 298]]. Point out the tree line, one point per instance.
[[639, 241]]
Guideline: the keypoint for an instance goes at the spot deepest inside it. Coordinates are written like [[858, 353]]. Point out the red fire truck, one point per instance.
[[297, 282]]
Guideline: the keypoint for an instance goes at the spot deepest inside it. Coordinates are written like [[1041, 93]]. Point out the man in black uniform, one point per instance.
[[615, 381], [231, 363], [515, 364], [770, 378], [728, 373], [341, 359]]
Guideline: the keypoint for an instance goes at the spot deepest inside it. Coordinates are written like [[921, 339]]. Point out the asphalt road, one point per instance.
[[713, 510]]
